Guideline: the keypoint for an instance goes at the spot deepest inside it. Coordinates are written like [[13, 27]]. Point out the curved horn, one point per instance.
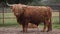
[[9, 4]]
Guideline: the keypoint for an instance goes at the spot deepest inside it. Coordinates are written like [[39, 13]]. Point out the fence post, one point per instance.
[[3, 15], [3, 11], [59, 16]]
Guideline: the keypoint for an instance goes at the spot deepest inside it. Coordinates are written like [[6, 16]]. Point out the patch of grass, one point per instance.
[[56, 25], [55, 19], [8, 25]]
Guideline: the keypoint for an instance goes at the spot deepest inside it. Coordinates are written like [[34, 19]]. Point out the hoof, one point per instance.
[[23, 31], [49, 30], [42, 31]]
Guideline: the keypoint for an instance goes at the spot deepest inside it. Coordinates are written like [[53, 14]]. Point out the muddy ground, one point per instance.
[[16, 30]]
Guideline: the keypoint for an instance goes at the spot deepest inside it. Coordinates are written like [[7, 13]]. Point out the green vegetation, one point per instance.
[[55, 25]]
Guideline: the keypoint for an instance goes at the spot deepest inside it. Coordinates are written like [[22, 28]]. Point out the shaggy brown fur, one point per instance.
[[33, 14]]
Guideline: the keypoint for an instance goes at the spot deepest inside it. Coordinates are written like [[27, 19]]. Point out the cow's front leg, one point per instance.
[[25, 26]]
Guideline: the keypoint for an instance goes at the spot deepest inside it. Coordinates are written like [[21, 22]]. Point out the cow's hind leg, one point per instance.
[[45, 26], [49, 26]]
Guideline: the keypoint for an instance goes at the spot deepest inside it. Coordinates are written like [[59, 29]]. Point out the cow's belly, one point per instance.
[[36, 19]]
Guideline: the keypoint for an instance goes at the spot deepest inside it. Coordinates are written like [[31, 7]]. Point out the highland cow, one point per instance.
[[32, 14]]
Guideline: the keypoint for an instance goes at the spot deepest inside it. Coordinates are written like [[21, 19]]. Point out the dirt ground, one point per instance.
[[16, 30]]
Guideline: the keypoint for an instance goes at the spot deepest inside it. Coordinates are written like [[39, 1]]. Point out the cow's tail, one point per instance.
[[50, 23], [51, 15]]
